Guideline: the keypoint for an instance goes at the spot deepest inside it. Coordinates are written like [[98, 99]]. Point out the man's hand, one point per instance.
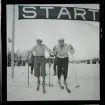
[[51, 55], [54, 47], [71, 49], [51, 52]]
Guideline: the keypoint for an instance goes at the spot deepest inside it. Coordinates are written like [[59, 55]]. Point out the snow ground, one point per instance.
[[88, 78]]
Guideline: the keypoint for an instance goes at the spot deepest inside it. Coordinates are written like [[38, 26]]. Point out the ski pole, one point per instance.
[[51, 85], [77, 85], [28, 75], [49, 71], [28, 70], [52, 75]]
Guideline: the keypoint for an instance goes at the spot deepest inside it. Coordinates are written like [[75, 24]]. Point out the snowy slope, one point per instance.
[[88, 77]]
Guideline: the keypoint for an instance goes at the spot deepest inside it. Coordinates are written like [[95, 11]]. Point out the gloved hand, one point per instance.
[[51, 55], [71, 49]]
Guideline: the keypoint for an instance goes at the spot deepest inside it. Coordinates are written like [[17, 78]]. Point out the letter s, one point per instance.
[[27, 12]]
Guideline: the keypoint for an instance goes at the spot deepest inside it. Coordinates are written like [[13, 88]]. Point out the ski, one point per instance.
[[62, 87], [44, 90], [38, 87], [68, 90], [43, 85]]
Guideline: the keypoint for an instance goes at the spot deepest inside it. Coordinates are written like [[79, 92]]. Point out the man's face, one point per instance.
[[61, 42], [39, 42]]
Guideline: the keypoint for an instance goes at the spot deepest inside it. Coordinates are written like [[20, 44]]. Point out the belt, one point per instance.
[[39, 56]]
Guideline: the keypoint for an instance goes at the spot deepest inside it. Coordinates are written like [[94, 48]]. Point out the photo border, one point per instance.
[[4, 53]]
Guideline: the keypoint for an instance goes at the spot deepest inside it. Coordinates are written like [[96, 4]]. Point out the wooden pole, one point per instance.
[[13, 34], [28, 67]]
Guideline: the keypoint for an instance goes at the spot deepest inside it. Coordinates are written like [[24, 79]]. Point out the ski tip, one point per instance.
[[37, 89], [51, 85], [69, 91], [62, 87], [77, 86], [44, 92], [28, 87]]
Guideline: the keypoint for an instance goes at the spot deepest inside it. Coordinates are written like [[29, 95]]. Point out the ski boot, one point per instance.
[[38, 85], [59, 82], [54, 74], [65, 83], [31, 72], [43, 84]]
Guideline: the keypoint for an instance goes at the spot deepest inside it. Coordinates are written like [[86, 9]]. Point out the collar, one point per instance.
[[63, 46], [40, 45]]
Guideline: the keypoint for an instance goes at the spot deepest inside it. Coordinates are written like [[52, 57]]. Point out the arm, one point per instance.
[[29, 52], [71, 49], [49, 50], [51, 55], [54, 50]]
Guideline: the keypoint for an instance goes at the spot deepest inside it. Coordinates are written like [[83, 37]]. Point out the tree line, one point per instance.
[[19, 61]]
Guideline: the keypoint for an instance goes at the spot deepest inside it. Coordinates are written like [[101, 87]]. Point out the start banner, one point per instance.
[[59, 13]]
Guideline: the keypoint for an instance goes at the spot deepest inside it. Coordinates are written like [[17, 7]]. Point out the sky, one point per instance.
[[83, 35]]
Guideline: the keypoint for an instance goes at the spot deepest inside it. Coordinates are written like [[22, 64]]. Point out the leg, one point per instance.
[[62, 73], [65, 68], [54, 67], [31, 68], [43, 70], [59, 68], [37, 69], [32, 65]]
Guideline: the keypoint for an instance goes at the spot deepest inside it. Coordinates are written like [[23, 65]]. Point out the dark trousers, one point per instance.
[[54, 68], [62, 63], [32, 66], [55, 65]]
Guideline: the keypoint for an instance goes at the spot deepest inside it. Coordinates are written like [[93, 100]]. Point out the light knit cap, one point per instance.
[[59, 39], [39, 39]]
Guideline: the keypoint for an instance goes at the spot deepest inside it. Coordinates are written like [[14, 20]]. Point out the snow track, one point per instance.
[[88, 77]]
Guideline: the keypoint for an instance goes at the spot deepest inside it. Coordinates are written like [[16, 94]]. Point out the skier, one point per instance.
[[55, 64], [32, 62], [40, 61], [62, 58]]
